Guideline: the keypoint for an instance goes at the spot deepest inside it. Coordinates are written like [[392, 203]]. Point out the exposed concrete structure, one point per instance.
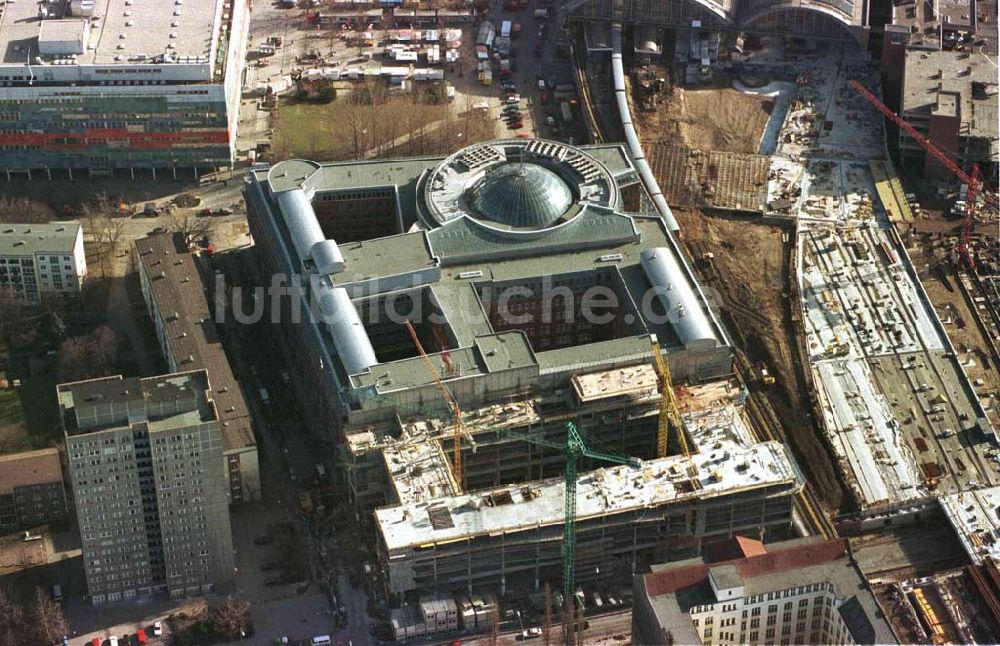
[[145, 457]]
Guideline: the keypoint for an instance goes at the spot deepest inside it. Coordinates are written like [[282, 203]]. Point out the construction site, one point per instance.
[[507, 365]]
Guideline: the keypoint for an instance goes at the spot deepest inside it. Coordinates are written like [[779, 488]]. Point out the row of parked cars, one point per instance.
[[139, 638]]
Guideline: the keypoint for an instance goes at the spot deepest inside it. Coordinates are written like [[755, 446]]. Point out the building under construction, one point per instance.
[[487, 297]]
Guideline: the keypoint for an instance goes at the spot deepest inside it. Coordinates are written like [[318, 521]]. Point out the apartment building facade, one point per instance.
[[176, 299], [31, 490], [145, 460], [42, 259], [108, 86]]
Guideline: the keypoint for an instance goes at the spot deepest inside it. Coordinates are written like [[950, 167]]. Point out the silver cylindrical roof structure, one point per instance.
[[684, 309], [327, 257], [335, 310], [300, 220]]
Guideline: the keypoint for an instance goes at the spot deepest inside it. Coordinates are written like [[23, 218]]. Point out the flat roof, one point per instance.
[[179, 291], [975, 516], [29, 239], [117, 28], [132, 400], [29, 468], [941, 82], [604, 491]]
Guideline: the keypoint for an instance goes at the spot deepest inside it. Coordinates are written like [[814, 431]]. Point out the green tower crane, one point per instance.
[[574, 448]]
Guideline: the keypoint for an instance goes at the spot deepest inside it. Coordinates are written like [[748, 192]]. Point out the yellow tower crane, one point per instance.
[[669, 415], [456, 412]]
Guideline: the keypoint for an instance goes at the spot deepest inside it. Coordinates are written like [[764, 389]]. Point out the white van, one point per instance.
[[321, 640]]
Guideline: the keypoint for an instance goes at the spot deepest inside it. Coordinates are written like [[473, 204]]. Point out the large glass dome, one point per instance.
[[522, 195]]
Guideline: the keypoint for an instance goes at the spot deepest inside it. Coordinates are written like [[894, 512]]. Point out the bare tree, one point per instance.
[[11, 619], [47, 618], [105, 223], [230, 618], [24, 210], [88, 356], [190, 226]]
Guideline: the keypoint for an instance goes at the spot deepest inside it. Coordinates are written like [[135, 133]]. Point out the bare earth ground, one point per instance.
[[755, 311], [708, 119], [749, 270]]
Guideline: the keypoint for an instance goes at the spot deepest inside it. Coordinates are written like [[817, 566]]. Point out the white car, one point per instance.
[[157, 629], [113, 640]]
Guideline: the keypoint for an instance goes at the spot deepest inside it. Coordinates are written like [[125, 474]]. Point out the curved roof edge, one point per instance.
[[684, 309], [300, 220], [334, 307]]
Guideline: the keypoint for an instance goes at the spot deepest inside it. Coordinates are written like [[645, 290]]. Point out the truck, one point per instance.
[[264, 397], [542, 14], [321, 472], [505, 28]]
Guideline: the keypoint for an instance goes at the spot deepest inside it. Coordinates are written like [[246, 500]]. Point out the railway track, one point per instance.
[[765, 421]]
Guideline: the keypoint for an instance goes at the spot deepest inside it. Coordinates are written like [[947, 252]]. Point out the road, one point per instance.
[[607, 629]]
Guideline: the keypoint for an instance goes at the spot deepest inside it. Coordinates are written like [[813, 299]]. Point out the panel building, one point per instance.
[[176, 299], [116, 84], [535, 293], [31, 490], [145, 459], [42, 259], [803, 591]]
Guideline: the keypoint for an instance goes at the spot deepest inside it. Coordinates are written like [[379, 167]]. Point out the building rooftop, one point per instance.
[[29, 468], [163, 402], [604, 491], [675, 589], [975, 515], [114, 32], [487, 218], [180, 295], [953, 83], [29, 239]]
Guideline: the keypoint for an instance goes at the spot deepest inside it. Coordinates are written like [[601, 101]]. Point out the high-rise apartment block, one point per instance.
[[145, 459]]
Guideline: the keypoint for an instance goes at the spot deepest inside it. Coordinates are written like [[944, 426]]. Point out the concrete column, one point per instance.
[[154, 172], [174, 168], [8, 175], [131, 171], [29, 174], [196, 172], [48, 171], [70, 169]]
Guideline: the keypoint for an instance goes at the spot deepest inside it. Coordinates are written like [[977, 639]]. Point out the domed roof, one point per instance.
[[522, 195]]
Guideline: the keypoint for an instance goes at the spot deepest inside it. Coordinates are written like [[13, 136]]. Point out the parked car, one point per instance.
[[515, 125], [157, 629]]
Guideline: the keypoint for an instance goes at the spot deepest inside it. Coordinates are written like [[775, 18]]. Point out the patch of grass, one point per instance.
[[37, 395]]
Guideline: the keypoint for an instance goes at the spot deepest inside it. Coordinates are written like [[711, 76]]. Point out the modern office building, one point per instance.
[[145, 460], [802, 591], [535, 276], [109, 85], [42, 259], [31, 490], [176, 299]]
